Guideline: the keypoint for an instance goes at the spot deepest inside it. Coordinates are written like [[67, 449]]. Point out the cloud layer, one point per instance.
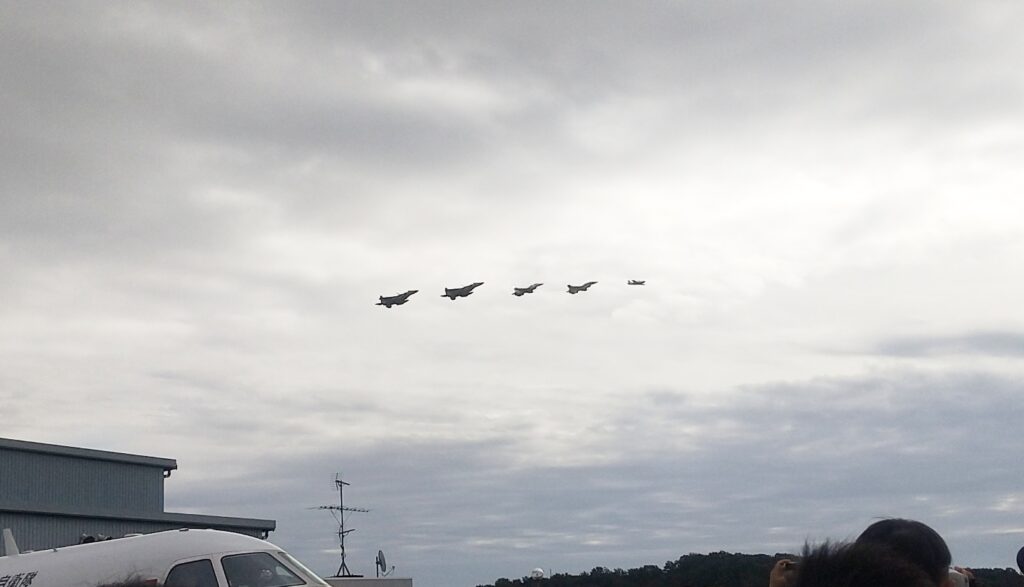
[[199, 206]]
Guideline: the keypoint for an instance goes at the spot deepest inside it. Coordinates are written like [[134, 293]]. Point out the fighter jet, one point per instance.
[[396, 300], [519, 291], [636, 282], [460, 292], [575, 289]]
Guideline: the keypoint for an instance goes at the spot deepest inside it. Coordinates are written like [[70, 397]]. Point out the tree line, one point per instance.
[[717, 569]]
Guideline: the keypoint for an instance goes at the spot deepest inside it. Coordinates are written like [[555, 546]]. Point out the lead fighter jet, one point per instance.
[[519, 291], [396, 300], [460, 292], [636, 282], [575, 289]]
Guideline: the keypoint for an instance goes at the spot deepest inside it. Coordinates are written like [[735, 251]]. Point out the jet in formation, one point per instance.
[[575, 289], [520, 291], [397, 300], [460, 292]]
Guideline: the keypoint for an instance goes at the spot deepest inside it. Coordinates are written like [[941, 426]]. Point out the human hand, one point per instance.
[[965, 572], [782, 574]]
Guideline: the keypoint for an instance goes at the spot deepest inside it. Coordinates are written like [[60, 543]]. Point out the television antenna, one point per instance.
[[338, 512]]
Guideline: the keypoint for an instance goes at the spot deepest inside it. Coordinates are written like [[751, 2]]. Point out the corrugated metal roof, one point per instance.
[[86, 453], [162, 517]]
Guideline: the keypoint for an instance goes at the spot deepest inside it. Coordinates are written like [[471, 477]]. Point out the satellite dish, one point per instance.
[[537, 574], [382, 565]]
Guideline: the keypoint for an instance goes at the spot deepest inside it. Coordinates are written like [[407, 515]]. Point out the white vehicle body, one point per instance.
[[176, 558]]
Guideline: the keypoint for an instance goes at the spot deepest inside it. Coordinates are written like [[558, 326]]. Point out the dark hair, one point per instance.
[[858, 565], [918, 542], [1020, 559]]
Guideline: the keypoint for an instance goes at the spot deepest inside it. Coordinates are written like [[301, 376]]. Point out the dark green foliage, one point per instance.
[[998, 578], [720, 569], [717, 569]]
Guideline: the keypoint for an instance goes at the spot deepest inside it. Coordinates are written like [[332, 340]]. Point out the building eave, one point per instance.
[[166, 465], [189, 520]]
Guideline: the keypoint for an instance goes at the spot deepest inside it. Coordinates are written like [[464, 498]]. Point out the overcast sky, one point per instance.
[[201, 203]]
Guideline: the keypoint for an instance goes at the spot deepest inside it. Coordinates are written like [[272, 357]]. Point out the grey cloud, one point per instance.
[[767, 54], [125, 86], [811, 460], [105, 134], [112, 124], [993, 343]]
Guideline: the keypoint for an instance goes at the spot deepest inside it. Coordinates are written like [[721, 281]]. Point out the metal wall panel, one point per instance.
[[55, 481], [64, 496]]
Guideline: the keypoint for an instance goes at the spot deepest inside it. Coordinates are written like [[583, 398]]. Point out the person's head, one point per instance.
[[858, 565], [916, 541], [1020, 559]]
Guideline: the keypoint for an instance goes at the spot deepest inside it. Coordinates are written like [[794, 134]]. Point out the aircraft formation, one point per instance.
[[465, 291]]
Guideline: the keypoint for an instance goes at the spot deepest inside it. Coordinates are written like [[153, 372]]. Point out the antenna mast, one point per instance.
[[338, 511]]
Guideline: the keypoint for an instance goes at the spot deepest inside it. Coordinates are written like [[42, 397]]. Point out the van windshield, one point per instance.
[[258, 569], [314, 579]]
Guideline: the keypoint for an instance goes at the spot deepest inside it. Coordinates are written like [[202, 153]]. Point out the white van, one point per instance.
[[176, 558]]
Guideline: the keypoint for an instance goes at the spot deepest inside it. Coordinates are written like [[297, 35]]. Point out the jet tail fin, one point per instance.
[[10, 546]]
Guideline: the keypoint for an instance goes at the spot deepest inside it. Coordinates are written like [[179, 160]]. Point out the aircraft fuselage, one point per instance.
[[520, 291], [460, 292], [575, 289], [398, 300]]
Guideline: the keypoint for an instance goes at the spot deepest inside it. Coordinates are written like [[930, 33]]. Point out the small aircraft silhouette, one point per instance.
[[396, 300], [575, 289], [637, 282], [460, 292], [519, 291]]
